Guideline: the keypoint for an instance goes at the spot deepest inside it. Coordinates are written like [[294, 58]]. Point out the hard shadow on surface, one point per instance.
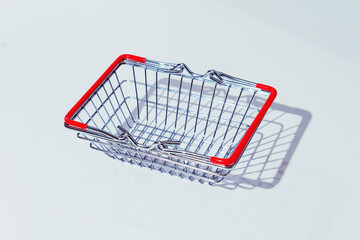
[[271, 148], [268, 154]]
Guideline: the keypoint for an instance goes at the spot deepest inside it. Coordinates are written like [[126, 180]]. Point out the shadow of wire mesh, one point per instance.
[[269, 152]]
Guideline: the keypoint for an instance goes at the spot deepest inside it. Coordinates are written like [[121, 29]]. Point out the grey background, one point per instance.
[[52, 186]]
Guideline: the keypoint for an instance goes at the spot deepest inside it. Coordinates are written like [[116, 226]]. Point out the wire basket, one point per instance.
[[165, 117]]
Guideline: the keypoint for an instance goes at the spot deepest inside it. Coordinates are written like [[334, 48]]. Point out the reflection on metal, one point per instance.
[[165, 117]]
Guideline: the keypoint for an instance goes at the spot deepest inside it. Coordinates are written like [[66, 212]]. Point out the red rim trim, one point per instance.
[[251, 130], [75, 108]]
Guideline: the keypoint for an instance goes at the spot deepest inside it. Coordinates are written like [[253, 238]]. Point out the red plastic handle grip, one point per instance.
[[93, 88], [251, 130]]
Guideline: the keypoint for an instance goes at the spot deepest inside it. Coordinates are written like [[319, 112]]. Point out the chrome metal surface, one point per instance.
[[165, 117]]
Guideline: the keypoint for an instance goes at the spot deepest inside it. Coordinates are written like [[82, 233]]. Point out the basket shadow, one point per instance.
[[268, 154], [271, 148]]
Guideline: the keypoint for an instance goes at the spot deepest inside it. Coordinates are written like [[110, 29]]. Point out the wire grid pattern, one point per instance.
[[270, 150], [205, 117]]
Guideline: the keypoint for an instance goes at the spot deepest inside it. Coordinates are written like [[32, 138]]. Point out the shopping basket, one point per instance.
[[165, 117]]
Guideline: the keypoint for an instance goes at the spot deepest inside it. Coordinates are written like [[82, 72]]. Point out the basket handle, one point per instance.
[[217, 76], [235, 156]]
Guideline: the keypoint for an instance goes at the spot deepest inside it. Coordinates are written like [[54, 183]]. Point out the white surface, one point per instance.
[[52, 186]]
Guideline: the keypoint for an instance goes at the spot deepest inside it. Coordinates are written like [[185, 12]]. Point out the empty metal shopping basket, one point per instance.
[[165, 117]]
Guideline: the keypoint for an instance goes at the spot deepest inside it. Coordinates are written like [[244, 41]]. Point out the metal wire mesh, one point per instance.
[[173, 122]]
